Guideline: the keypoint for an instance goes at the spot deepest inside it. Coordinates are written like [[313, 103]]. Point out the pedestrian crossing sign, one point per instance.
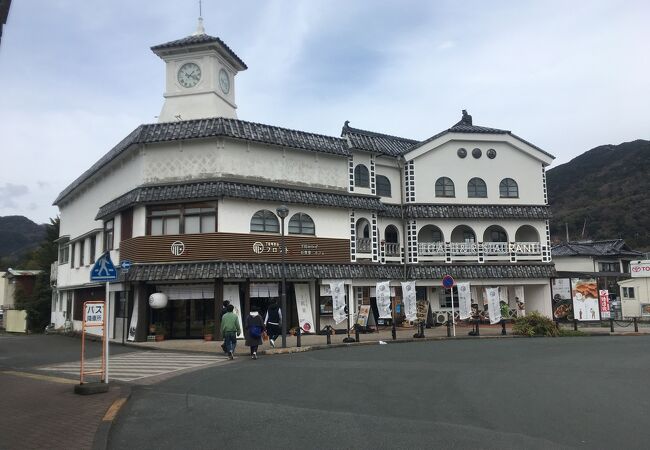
[[104, 269]]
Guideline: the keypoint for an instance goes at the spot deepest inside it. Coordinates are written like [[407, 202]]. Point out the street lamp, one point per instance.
[[283, 212]]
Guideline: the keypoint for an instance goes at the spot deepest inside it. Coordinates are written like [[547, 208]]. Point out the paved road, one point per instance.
[[507, 393]]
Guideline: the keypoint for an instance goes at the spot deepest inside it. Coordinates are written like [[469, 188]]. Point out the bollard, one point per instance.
[[575, 324], [298, 334], [394, 331], [611, 325], [328, 332], [503, 328], [478, 321], [356, 332], [448, 326], [422, 328], [636, 325]]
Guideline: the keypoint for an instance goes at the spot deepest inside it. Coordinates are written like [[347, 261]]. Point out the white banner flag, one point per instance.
[[494, 308], [134, 320], [521, 301], [383, 299], [303, 304], [338, 301], [464, 301], [410, 301]]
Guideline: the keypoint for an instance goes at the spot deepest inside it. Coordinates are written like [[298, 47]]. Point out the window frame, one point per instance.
[[360, 176], [473, 185], [382, 182], [442, 187], [82, 250], [93, 248], [109, 235], [604, 266], [265, 221], [505, 186], [301, 224], [64, 253], [154, 212]]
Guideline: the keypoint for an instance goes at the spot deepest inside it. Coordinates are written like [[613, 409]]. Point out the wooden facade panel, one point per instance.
[[233, 247]]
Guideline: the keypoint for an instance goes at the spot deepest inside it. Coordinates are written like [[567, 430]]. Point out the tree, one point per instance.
[[38, 302]]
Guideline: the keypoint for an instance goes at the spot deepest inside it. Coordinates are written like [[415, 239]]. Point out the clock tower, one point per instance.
[[200, 81]]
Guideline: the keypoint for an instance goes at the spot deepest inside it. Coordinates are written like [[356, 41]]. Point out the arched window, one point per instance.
[[508, 188], [445, 187], [301, 223], [265, 221], [391, 234], [476, 188], [383, 186], [361, 176]]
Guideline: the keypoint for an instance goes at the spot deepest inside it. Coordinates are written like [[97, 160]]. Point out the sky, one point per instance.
[[76, 76]]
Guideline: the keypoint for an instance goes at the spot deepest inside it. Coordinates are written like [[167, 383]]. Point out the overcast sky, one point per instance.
[[77, 76]]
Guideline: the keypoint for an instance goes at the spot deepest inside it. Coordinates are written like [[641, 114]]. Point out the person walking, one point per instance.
[[224, 310], [230, 329], [253, 331], [273, 322]]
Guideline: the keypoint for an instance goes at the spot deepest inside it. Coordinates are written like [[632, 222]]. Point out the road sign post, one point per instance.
[[104, 270], [448, 282]]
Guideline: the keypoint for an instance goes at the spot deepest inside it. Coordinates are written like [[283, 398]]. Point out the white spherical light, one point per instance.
[[158, 300]]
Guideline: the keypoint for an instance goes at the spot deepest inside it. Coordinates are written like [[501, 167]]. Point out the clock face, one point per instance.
[[189, 75], [224, 81]]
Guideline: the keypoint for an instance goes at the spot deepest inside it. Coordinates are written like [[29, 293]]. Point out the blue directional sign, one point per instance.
[[104, 269], [125, 265]]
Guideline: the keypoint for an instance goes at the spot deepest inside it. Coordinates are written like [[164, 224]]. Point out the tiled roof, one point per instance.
[[256, 271], [376, 142], [198, 40], [205, 190], [213, 127], [613, 247], [469, 211]]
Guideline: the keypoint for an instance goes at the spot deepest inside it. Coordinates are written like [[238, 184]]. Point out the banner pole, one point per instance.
[[107, 321], [453, 316]]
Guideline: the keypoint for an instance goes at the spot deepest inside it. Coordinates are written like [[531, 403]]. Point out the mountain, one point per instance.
[[18, 235], [606, 192]]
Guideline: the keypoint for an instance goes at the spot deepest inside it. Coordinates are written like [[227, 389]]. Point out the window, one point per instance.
[[265, 221], [72, 255], [391, 234], [628, 292], [508, 188], [199, 219], [445, 187], [81, 252], [108, 235], [383, 186], [476, 188], [609, 267], [445, 298], [361, 176], [181, 219], [498, 236], [93, 244], [301, 223], [165, 221], [468, 236], [64, 253]]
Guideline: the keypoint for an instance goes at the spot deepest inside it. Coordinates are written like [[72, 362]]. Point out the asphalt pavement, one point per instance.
[[582, 392]]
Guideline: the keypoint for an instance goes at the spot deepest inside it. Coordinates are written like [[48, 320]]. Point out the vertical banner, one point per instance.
[[231, 293], [494, 309], [338, 301], [562, 302], [410, 301], [520, 300], [134, 319], [464, 301], [383, 300], [585, 299], [303, 304], [604, 304]]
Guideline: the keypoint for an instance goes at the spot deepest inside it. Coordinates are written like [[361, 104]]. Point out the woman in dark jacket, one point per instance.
[[253, 330], [273, 323]]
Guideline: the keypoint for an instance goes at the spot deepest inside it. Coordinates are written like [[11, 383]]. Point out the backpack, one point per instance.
[[255, 331]]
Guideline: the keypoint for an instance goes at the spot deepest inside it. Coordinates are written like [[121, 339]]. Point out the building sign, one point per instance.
[[177, 248], [640, 269], [267, 247], [562, 302], [585, 299], [93, 314], [604, 303], [311, 250]]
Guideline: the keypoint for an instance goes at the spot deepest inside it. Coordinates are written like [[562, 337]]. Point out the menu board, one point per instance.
[[562, 302], [585, 299], [422, 310]]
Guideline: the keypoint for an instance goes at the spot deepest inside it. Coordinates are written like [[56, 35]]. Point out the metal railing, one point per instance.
[[392, 249], [487, 249], [364, 245]]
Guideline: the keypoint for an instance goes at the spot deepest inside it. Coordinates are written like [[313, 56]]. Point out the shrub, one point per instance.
[[534, 324]]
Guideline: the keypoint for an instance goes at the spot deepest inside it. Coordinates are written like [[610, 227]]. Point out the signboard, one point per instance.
[[423, 310], [93, 314], [464, 301], [125, 265], [494, 306], [303, 304], [585, 299], [104, 269], [448, 281], [338, 301], [410, 302], [640, 269], [562, 302], [383, 300], [604, 304], [362, 317]]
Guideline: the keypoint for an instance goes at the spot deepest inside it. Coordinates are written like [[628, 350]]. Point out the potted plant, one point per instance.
[[208, 330], [160, 332]]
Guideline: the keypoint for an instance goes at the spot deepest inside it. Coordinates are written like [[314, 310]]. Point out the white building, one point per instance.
[[191, 202]]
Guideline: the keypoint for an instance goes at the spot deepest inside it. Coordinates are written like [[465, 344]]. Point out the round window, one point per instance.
[[476, 153], [492, 153], [462, 153]]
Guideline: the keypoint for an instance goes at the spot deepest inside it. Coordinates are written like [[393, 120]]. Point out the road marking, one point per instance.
[[36, 376], [114, 409]]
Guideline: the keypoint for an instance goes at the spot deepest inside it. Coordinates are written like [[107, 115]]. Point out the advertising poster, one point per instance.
[[383, 300], [362, 317], [410, 305], [604, 304], [562, 303], [585, 299], [423, 310], [464, 300], [494, 307], [338, 301]]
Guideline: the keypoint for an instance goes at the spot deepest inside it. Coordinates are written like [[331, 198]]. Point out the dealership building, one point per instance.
[[192, 202]]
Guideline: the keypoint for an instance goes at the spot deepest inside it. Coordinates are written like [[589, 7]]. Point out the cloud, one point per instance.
[[9, 193]]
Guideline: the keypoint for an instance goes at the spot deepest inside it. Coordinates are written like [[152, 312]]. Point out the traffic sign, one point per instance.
[[125, 265], [448, 281], [104, 269]]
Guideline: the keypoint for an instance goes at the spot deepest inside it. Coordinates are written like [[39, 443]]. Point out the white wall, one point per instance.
[[510, 162], [574, 264]]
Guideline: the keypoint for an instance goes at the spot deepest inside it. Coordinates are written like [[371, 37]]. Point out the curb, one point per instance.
[[100, 442]]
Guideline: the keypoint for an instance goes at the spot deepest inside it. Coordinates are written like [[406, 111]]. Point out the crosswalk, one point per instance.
[[138, 365]]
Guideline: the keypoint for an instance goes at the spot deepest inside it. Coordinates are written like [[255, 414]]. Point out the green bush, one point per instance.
[[534, 324]]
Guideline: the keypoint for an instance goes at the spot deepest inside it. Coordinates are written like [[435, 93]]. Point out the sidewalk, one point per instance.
[[315, 342]]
